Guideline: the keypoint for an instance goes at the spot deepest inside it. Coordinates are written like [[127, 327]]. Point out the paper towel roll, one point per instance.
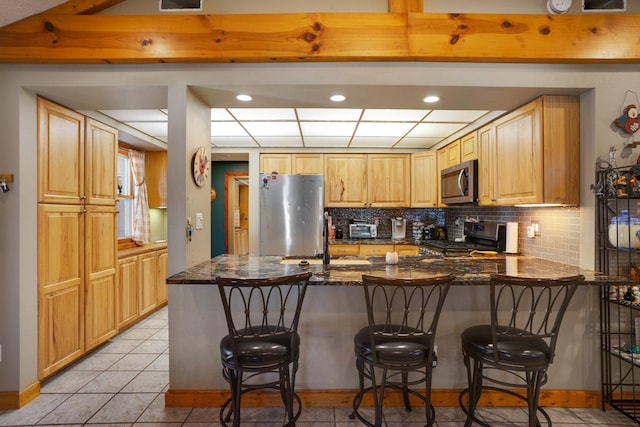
[[511, 246]]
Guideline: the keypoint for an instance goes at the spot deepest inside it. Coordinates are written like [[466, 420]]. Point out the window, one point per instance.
[[125, 198]]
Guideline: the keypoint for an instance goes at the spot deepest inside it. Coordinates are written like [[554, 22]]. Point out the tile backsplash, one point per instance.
[[558, 240]]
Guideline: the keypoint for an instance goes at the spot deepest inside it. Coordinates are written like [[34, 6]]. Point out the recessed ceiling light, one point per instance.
[[337, 98], [244, 98], [431, 99]]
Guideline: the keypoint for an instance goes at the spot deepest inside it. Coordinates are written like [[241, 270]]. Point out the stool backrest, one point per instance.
[[262, 308], [530, 308], [408, 308]]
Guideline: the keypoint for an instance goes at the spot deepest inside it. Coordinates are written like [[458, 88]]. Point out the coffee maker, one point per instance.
[[398, 228]]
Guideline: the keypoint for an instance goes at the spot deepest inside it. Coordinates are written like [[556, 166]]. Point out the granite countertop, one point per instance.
[[468, 270], [377, 241]]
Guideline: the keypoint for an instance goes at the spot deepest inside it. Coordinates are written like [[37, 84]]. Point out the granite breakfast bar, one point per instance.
[[334, 310]]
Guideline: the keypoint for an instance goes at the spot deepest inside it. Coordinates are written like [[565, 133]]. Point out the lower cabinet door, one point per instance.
[[148, 288], [127, 290]]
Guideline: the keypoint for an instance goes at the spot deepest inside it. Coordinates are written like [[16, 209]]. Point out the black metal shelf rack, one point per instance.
[[618, 190]]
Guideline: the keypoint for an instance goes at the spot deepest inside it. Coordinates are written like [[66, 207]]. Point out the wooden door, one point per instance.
[[424, 180], [162, 276], [518, 156], [345, 180], [148, 289], [60, 154], [60, 286], [127, 290], [468, 147], [486, 166], [101, 157], [101, 267], [275, 162], [312, 163], [389, 180], [156, 178]]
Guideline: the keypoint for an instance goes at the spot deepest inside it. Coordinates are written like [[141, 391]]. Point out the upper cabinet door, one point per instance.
[[101, 163], [424, 180], [345, 180], [389, 180], [312, 163], [275, 162], [60, 154]]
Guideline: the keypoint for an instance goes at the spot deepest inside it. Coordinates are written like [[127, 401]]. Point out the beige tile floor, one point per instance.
[[123, 384]]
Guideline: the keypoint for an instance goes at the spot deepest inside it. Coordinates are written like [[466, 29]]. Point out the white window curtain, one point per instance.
[[141, 217]]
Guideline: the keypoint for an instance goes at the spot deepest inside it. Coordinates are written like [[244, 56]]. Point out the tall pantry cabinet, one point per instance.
[[77, 235]]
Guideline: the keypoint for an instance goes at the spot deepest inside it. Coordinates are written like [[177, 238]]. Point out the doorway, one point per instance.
[[236, 217]]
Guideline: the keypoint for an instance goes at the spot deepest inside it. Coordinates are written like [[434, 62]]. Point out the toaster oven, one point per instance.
[[363, 231]]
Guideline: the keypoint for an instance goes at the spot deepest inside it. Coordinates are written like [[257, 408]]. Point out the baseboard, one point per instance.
[[336, 398], [17, 399]]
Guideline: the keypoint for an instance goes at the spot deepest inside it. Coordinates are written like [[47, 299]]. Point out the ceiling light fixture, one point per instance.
[[244, 98], [431, 99], [337, 98]]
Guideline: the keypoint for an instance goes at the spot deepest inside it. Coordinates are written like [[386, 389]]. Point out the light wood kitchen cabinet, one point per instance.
[[468, 147], [338, 249], [275, 162], [148, 285], [60, 286], [389, 177], [100, 165], [163, 257], [367, 180], [292, 163], [156, 178], [60, 154], [486, 155], [406, 250], [449, 155], [77, 235], [311, 164], [100, 275], [127, 290], [375, 249], [533, 154], [345, 180], [424, 180]]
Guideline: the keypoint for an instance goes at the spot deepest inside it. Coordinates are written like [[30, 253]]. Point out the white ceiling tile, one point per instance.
[[383, 129], [425, 143], [221, 114], [326, 141], [327, 128], [155, 129], [329, 114], [263, 113], [395, 115], [373, 142], [136, 115], [279, 141], [227, 129], [435, 129], [463, 116], [272, 128], [233, 141]]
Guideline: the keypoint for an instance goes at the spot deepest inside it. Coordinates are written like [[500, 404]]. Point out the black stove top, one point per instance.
[[481, 236]]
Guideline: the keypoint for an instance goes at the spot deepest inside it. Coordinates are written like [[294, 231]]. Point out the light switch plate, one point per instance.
[[199, 221]]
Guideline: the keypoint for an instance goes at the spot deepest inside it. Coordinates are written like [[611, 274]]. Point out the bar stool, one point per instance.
[[398, 340], [516, 349], [262, 348]]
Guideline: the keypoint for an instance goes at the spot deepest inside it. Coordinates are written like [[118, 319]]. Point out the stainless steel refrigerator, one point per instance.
[[291, 215]]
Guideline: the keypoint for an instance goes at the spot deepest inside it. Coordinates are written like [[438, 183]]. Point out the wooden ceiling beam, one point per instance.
[[579, 38], [406, 6]]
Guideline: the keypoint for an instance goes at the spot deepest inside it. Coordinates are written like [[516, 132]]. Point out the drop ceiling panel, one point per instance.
[[396, 115], [233, 141], [383, 129], [441, 130], [373, 142], [221, 129], [425, 143], [329, 114], [263, 113], [279, 141], [137, 115], [344, 129], [460, 116], [155, 129]]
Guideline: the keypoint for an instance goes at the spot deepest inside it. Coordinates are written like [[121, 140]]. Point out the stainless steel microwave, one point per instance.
[[459, 183]]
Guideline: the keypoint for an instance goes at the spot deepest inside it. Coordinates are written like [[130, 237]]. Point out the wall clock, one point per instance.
[[200, 166]]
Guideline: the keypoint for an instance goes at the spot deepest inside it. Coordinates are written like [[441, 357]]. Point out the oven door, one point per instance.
[[458, 184]]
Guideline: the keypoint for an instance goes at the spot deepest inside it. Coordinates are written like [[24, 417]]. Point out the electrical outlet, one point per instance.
[[536, 228]]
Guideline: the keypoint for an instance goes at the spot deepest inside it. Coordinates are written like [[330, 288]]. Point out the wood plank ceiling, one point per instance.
[[69, 33]]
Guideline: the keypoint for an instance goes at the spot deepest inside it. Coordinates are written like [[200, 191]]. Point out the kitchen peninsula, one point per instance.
[[334, 310]]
